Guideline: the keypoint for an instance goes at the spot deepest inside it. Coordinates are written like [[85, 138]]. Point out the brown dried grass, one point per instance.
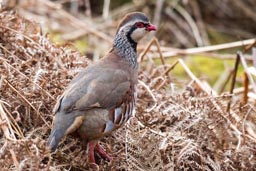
[[187, 130]]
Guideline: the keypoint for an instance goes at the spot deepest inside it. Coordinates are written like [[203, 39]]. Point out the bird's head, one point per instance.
[[135, 25]]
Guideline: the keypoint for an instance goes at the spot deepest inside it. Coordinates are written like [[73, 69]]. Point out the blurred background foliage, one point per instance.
[[181, 24]]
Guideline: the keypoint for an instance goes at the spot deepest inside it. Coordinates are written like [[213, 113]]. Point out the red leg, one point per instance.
[[102, 152], [90, 147]]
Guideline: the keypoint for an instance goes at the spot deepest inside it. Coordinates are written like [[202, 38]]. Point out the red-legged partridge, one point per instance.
[[101, 98]]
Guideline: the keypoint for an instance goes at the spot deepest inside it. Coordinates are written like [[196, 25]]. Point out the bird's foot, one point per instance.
[[92, 146], [102, 152]]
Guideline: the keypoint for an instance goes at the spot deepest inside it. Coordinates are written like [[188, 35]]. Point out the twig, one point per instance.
[[207, 54], [222, 56], [159, 51], [150, 93], [181, 37], [197, 12], [254, 56], [241, 90], [208, 48], [153, 131], [158, 82], [247, 71], [221, 83], [246, 88], [191, 23], [233, 79], [193, 77], [14, 158], [170, 68], [152, 41], [249, 47], [143, 53], [106, 6], [74, 35], [179, 29], [13, 122], [5, 125]]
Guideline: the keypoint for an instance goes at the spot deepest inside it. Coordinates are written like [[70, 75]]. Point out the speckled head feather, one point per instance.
[[132, 16]]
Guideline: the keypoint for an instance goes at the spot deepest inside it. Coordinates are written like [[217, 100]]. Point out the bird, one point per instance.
[[102, 96]]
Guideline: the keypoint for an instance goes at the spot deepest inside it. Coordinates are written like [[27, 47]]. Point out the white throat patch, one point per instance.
[[138, 34]]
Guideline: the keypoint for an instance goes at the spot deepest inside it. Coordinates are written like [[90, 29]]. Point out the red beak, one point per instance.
[[151, 27]]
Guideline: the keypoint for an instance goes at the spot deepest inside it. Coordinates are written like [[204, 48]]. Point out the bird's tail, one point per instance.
[[63, 124], [54, 138]]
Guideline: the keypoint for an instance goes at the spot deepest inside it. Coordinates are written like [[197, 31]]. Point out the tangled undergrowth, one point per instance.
[[185, 130]]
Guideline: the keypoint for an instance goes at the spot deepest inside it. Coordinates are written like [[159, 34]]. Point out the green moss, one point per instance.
[[203, 67], [81, 45], [55, 37]]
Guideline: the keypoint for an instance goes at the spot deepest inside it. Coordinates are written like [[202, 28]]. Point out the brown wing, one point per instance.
[[96, 87]]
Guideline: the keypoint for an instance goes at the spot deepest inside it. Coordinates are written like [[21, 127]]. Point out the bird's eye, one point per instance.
[[140, 25]]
